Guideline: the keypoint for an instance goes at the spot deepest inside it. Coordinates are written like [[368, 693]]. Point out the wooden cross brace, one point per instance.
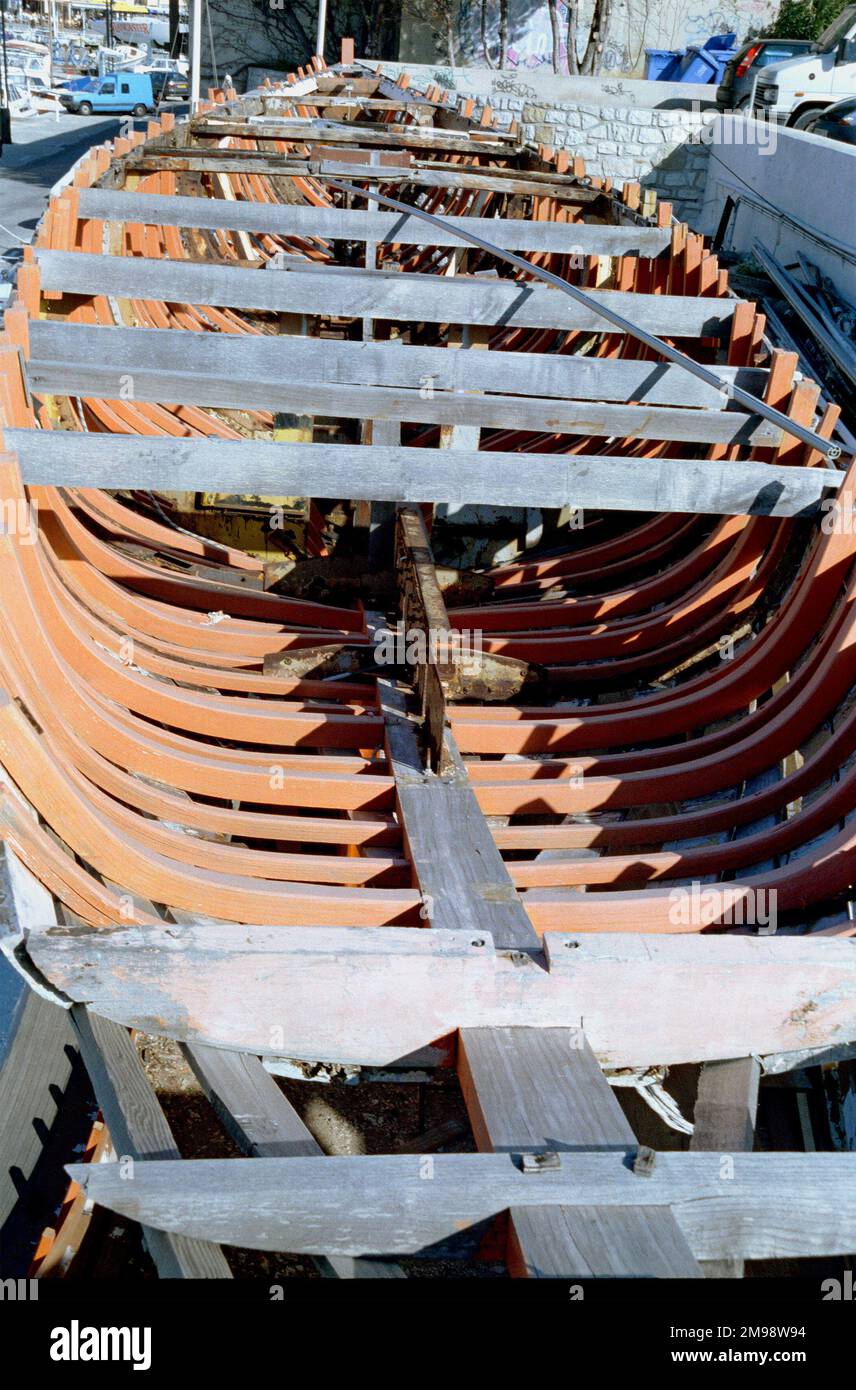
[[563, 1163]]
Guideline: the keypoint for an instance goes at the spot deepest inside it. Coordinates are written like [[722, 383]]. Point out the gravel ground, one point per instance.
[[369, 1118]]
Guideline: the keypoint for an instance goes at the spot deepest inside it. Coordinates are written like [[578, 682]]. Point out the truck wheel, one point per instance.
[[807, 119], [85, 108], [139, 110]]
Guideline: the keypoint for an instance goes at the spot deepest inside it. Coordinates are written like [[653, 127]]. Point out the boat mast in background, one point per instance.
[[195, 53], [322, 28]]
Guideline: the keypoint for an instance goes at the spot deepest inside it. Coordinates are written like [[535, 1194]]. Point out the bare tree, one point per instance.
[[441, 16], [592, 60], [571, 40], [281, 33], [557, 39], [376, 16], [503, 35], [485, 43]]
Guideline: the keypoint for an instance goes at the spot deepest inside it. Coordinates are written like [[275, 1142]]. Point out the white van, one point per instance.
[[794, 91]]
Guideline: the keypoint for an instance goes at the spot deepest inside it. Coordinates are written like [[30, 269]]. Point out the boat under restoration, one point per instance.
[[527, 749]]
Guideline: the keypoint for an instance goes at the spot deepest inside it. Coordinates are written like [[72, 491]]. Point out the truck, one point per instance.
[[120, 93], [795, 91]]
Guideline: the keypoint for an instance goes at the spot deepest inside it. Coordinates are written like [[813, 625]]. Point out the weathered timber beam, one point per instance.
[[447, 670], [423, 609], [184, 160], [573, 197], [105, 379], [542, 1091], [264, 1124], [366, 996], [766, 1206], [503, 175], [139, 1130], [266, 359], [394, 135], [346, 224], [724, 1120], [464, 882], [336, 659], [37, 1055], [538, 1090], [384, 474], [351, 293], [273, 105]]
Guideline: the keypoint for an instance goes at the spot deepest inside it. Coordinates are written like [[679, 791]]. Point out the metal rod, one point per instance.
[[730, 391]]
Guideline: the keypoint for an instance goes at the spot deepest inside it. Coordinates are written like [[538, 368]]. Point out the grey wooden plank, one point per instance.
[[36, 1055], [766, 1206], [82, 377], [725, 1111], [348, 224], [726, 1104], [599, 1242], [418, 105], [38, 1049], [421, 173], [318, 130], [145, 352], [372, 996], [256, 1114], [462, 876], [378, 294], [538, 1089], [249, 1104], [139, 1130], [425, 174], [65, 459], [542, 1091]]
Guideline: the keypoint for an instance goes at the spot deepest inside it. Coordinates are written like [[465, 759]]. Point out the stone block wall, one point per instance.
[[656, 133], [661, 149]]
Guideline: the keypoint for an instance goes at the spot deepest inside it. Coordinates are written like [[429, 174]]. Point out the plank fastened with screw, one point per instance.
[[542, 1090]]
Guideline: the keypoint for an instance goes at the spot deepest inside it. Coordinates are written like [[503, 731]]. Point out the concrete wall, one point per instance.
[[796, 195], [488, 84], [653, 132]]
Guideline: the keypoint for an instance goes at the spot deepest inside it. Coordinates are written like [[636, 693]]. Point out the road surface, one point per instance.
[[43, 149]]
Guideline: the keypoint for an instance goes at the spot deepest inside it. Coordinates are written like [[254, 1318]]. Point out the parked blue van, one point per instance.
[[122, 93]]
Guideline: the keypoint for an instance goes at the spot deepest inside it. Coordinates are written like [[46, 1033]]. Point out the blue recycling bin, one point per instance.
[[706, 62], [721, 41], [662, 63]]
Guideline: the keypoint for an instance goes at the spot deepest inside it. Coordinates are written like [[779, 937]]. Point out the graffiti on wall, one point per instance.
[[507, 83], [635, 26]]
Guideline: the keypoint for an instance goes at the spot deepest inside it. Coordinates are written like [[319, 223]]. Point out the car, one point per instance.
[[796, 90], [734, 92], [838, 122], [170, 86], [161, 62], [120, 93]]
